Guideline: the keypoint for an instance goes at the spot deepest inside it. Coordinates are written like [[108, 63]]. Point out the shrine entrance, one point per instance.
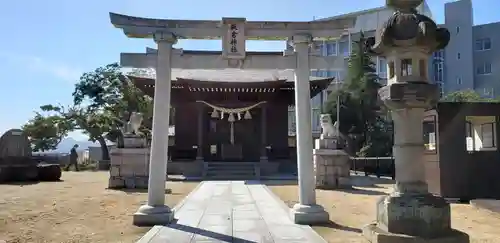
[[233, 137]]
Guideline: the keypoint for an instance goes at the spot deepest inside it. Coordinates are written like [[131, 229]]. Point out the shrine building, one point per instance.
[[232, 115]]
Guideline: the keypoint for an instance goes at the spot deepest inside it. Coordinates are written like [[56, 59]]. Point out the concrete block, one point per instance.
[[116, 183], [114, 171], [127, 171]]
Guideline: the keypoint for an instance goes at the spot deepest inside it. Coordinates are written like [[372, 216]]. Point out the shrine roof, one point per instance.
[[236, 75], [233, 86]]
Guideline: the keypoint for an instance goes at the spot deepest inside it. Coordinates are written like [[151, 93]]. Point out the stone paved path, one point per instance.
[[232, 211]]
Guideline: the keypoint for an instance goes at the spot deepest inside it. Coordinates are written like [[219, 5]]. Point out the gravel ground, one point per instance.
[[77, 209], [350, 210]]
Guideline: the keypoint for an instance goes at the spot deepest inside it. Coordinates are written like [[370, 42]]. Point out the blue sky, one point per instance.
[[46, 45]]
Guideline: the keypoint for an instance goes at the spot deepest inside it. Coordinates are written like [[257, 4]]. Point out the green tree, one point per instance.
[[150, 73], [361, 117], [46, 130], [466, 96], [103, 102]]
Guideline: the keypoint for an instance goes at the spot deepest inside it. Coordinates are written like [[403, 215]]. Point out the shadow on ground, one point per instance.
[[356, 181], [361, 191], [370, 181], [141, 190], [272, 182], [333, 225], [214, 235], [27, 183]]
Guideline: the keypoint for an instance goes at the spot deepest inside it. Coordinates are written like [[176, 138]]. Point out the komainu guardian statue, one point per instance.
[[131, 127], [329, 129], [132, 137]]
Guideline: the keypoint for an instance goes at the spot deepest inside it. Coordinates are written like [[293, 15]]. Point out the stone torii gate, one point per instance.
[[233, 32]]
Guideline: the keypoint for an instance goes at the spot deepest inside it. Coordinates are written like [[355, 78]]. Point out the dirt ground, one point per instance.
[[350, 210], [81, 209], [77, 209]]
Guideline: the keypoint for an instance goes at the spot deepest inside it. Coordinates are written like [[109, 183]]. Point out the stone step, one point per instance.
[[230, 168], [231, 163], [232, 178], [230, 172]]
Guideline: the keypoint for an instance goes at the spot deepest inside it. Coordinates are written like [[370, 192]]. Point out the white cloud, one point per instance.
[[38, 64]]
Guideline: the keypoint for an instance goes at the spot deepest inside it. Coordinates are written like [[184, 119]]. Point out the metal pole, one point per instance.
[[338, 107]]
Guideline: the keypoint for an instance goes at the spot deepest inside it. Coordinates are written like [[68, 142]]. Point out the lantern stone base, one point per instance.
[[375, 234], [413, 218]]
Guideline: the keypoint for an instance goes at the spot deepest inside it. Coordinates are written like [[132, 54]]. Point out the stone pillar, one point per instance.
[[155, 212], [306, 211], [199, 151], [263, 134]]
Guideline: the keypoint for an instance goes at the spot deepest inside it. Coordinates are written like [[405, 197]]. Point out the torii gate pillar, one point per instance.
[[306, 211]]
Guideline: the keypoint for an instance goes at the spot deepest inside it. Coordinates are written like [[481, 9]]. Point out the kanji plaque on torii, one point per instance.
[[233, 41]]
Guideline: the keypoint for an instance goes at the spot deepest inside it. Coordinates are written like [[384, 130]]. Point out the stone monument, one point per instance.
[[410, 213], [17, 163], [331, 162], [129, 165]]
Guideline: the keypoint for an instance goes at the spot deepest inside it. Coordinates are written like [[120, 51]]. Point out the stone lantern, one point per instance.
[[410, 213]]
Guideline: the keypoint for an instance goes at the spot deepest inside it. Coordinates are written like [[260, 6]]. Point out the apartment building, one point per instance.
[[367, 21], [472, 59]]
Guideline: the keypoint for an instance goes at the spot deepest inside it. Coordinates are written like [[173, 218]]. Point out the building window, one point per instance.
[[441, 89], [458, 56], [438, 55], [484, 68], [382, 67], [483, 44], [458, 29], [459, 80], [488, 92], [438, 60], [480, 133], [331, 48], [429, 128], [344, 48], [406, 67]]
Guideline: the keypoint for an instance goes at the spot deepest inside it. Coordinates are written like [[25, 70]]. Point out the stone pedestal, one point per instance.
[[129, 168], [133, 141], [331, 164], [413, 218]]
